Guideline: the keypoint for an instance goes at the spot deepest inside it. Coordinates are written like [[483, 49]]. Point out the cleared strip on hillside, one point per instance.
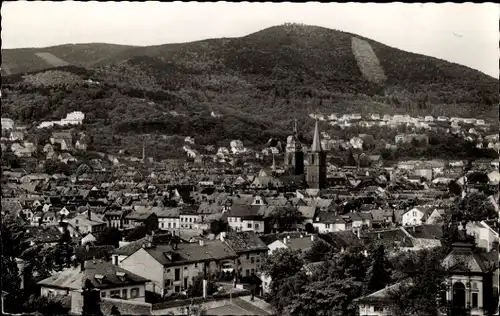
[[367, 61], [6, 70], [52, 60]]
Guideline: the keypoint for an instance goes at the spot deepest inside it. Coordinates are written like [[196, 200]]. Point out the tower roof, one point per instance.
[[316, 145]]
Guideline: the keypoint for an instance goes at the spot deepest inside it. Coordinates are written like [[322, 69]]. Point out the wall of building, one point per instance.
[[163, 223], [143, 264], [141, 293]]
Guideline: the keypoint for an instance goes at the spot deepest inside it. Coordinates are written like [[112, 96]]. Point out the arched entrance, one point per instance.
[[458, 295]]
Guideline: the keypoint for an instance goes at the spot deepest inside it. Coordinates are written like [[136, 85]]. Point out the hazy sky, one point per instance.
[[467, 34]]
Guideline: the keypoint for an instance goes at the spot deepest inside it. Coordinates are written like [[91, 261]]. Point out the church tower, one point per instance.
[[294, 156], [316, 170]]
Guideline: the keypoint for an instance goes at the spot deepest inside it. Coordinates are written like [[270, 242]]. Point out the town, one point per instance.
[[237, 230]]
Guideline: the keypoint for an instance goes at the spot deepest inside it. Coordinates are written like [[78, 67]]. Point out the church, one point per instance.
[[315, 171]]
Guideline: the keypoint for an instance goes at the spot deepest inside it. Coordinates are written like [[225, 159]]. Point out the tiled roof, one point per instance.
[[307, 211], [270, 238], [73, 278], [391, 237], [97, 252], [245, 212], [303, 243], [242, 242], [425, 231], [192, 252], [463, 258], [342, 239]]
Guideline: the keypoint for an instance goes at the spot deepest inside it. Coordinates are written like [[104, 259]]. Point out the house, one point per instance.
[[424, 236], [112, 281], [360, 219], [343, 240], [251, 251], [378, 303], [64, 139], [141, 216], [16, 136], [169, 218], [190, 219], [171, 268], [245, 218], [408, 138], [327, 222], [470, 281], [485, 236], [416, 216], [116, 217], [87, 223], [302, 243], [82, 143], [66, 158]]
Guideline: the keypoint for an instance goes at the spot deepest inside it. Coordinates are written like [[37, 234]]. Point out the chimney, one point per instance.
[[82, 265], [378, 236], [312, 237], [89, 214], [204, 288], [87, 247], [284, 240], [202, 242], [222, 236]]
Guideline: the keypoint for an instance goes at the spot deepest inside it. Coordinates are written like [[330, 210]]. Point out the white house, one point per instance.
[[485, 235], [416, 216]]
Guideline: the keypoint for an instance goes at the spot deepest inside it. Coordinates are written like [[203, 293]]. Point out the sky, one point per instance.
[[466, 34]]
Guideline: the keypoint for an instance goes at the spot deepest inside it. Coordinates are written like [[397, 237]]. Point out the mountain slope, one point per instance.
[[258, 83], [22, 60]]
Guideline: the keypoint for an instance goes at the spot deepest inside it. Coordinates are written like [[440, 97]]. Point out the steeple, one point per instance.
[[316, 145], [295, 127], [273, 167]]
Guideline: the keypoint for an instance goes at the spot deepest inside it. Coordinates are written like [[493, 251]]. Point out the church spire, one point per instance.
[[316, 145], [295, 127]]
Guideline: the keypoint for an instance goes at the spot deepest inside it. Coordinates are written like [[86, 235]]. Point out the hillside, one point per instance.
[[259, 83]]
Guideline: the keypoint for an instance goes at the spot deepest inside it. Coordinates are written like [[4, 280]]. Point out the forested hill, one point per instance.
[[258, 83]]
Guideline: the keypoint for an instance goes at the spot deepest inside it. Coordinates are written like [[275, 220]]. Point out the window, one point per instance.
[[185, 268], [249, 225], [414, 213], [169, 224], [124, 294], [247, 272], [114, 294], [168, 282], [177, 289], [253, 271], [474, 300], [162, 225], [173, 225], [190, 220], [248, 256], [312, 159], [190, 226], [327, 225], [182, 219], [196, 265], [134, 292], [194, 220], [177, 275], [230, 219], [256, 226], [258, 259], [103, 294], [252, 260]]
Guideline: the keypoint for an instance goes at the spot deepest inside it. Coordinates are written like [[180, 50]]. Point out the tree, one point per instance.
[[378, 273], [318, 252], [218, 226], [91, 300], [137, 233], [115, 311], [110, 236], [44, 306], [196, 289], [473, 207], [286, 217], [424, 284]]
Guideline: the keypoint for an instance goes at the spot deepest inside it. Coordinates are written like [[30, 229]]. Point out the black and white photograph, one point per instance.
[[244, 158]]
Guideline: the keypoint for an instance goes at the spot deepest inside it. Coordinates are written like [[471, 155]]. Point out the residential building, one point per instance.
[[301, 243], [171, 268], [251, 251], [416, 216], [330, 222], [245, 218], [169, 218], [88, 223], [112, 281]]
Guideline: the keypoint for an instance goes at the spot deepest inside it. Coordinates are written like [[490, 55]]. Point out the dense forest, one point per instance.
[[258, 84]]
